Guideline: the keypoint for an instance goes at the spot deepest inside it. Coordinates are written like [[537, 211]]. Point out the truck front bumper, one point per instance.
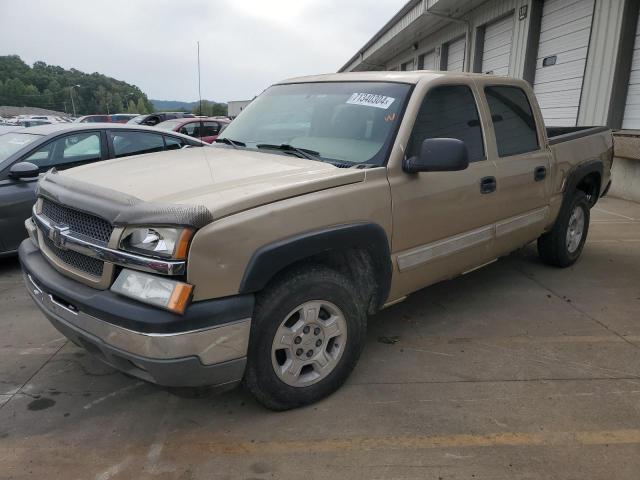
[[206, 346]]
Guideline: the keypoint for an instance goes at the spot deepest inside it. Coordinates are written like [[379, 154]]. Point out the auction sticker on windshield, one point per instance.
[[371, 100]]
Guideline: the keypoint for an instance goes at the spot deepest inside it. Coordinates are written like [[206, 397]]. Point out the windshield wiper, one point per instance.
[[301, 152], [228, 141]]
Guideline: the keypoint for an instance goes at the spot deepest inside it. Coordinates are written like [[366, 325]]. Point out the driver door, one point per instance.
[[443, 221]]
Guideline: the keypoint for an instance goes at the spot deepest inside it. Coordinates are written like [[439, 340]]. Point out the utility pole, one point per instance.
[[73, 104], [199, 92]]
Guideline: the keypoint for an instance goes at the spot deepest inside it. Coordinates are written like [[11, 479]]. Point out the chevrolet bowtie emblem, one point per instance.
[[56, 235]]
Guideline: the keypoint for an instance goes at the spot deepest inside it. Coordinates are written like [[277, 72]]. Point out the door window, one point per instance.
[[175, 143], [81, 147], [449, 112], [513, 120], [135, 143], [209, 129]]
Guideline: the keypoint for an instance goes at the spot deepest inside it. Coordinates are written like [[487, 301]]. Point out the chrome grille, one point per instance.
[[90, 265], [78, 222]]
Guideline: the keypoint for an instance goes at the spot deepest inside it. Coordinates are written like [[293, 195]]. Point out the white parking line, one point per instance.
[[613, 213]]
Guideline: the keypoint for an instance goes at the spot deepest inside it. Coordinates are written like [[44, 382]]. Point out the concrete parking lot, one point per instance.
[[515, 371]]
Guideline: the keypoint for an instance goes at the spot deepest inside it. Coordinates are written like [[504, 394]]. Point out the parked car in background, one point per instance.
[[153, 119], [203, 128], [123, 117], [26, 152], [94, 119], [32, 122]]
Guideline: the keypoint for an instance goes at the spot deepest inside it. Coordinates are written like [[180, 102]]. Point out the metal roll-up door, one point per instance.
[[496, 50], [407, 66], [562, 56], [455, 55], [428, 61], [631, 118]]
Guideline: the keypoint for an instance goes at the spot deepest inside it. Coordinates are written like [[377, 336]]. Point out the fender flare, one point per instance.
[[577, 174], [272, 258]]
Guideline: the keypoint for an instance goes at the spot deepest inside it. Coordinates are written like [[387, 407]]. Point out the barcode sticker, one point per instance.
[[371, 100]]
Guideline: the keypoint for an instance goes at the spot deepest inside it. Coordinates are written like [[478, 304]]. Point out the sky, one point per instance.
[[245, 45]]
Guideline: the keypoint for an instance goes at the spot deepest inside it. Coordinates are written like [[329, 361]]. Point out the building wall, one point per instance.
[[601, 63], [234, 107]]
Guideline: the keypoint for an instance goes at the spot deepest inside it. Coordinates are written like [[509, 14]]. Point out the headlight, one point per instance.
[[165, 242], [160, 292]]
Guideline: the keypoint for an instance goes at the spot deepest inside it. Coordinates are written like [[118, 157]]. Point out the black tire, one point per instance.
[[552, 246], [273, 305]]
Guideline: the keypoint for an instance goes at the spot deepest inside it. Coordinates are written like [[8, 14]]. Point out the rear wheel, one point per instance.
[[563, 245], [307, 335]]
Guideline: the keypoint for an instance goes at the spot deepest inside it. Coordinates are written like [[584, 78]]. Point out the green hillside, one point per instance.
[[55, 88], [209, 107]]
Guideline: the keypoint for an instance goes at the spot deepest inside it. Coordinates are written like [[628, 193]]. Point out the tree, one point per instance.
[[141, 107], [131, 108], [210, 109], [21, 85]]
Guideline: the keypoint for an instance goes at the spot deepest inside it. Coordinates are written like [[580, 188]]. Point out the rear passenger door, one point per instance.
[[443, 221], [523, 167]]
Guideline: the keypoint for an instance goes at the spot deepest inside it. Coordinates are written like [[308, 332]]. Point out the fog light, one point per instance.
[[159, 292]]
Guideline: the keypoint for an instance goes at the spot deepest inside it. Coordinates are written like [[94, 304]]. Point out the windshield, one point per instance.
[[10, 143], [138, 119], [347, 122]]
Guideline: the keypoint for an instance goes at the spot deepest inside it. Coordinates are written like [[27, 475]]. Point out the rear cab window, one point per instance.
[[449, 111], [513, 120]]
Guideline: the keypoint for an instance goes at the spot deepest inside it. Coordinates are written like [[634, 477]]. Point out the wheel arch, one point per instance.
[[364, 244], [586, 177]]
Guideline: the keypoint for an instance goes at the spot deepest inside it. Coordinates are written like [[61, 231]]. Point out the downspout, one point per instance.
[[467, 36]]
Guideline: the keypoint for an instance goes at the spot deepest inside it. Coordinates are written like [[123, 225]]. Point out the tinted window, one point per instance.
[[449, 112], [135, 143], [81, 147], [174, 143], [513, 120], [209, 129]]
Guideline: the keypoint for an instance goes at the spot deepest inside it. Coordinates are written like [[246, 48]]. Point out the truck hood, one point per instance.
[[220, 179]]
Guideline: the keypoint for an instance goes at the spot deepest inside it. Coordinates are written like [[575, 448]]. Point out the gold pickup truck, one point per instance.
[[258, 259]]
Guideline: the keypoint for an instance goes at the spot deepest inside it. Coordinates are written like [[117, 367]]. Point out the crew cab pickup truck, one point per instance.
[[257, 260]]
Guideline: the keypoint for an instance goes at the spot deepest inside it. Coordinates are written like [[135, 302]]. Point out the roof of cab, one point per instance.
[[413, 76]]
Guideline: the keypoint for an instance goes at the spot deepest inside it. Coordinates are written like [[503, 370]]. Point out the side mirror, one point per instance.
[[438, 155], [22, 170]]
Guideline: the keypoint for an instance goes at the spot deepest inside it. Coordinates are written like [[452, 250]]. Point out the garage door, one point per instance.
[[428, 61], [562, 56], [496, 51], [455, 55], [407, 66], [632, 107]]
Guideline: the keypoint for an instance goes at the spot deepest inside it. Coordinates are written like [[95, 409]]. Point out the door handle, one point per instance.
[[540, 173], [488, 184]]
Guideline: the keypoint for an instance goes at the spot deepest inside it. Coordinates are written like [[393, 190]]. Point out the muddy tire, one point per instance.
[[306, 337], [563, 245]]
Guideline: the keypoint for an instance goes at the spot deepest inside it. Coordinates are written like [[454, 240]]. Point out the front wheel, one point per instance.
[[563, 245], [307, 335]]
